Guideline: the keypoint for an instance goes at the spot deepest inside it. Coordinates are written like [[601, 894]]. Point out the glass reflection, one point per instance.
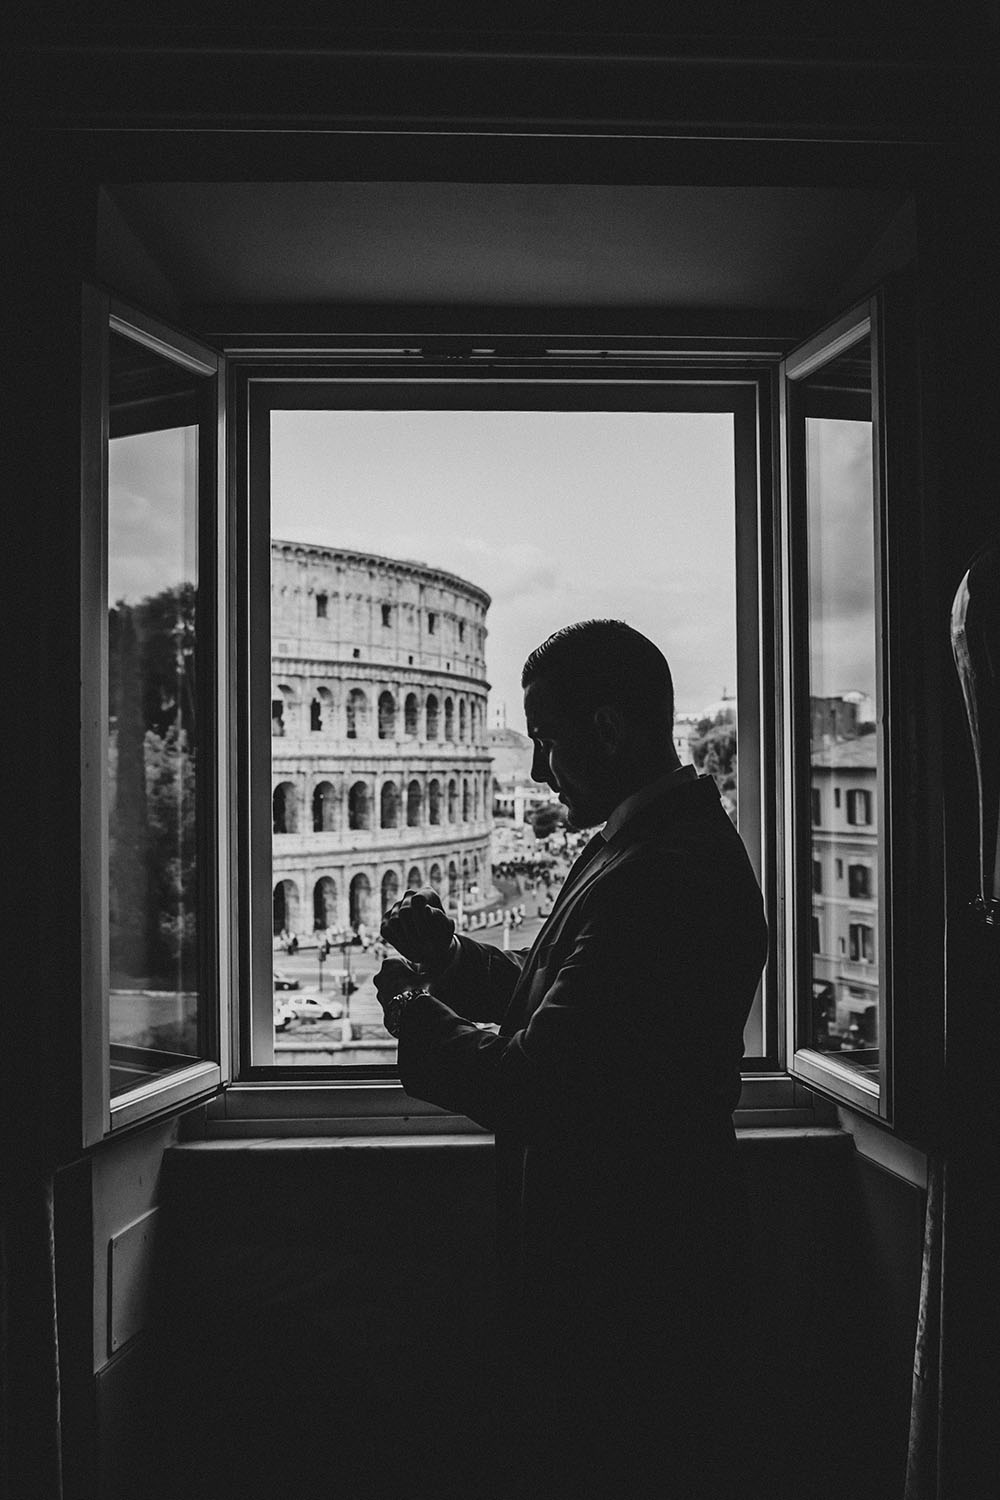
[[152, 728], [836, 404]]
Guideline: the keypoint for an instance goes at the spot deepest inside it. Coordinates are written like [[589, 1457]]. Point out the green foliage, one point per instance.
[[547, 819], [713, 750], [152, 831]]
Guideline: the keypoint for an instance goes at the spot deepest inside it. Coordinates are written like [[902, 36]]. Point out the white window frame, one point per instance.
[[820, 1070], [103, 1114], [361, 1104]]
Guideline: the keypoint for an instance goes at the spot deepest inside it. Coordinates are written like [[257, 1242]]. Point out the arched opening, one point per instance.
[[452, 881], [360, 900], [315, 716], [390, 890], [414, 879], [282, 710], [466, 801], [324, 904], [386, 716], [449, 719], [324, 808], [452, 801], [432, 716], [414, 804], [283, 807], [389, 805], [357, 715], [461, 718], [359, 806], [285, 907], [434, 877], [434, 801], [411, 716]]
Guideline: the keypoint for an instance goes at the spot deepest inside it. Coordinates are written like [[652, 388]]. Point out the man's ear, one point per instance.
[[609, 729]]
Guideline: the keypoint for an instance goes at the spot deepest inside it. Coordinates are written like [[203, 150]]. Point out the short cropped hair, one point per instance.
[[601, 662]]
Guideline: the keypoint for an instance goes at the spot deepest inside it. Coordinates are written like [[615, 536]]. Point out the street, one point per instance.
[[364, 1010]]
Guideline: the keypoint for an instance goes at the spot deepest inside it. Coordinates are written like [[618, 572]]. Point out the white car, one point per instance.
[[306, 1007]]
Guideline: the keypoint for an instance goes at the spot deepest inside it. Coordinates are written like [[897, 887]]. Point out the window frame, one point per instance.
[[820, 1070], [638, 378], [103, 314]]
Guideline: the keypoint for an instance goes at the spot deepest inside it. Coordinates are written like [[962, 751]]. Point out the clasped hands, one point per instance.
[[419, 928]]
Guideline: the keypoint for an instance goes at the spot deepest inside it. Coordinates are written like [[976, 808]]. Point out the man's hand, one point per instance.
[[419, 927], [392, 978]]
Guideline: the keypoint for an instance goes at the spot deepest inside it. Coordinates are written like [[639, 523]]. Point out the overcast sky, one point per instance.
[[841, 557], [560, 516]]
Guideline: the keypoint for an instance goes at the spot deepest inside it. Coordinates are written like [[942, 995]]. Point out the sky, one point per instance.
[[559, 516], [152, 513], [841, 557]]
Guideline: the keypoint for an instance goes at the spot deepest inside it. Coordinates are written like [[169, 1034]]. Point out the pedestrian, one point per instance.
[[610, 1087]]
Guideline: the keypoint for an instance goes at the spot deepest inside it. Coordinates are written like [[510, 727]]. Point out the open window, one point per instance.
[[151, 718], [501, 508], [835, 503]]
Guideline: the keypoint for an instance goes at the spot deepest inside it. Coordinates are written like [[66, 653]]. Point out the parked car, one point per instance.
[[285, 981], [312, 1007]]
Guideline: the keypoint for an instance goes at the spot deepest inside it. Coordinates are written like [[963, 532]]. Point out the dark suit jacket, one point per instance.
[[613, 1077]]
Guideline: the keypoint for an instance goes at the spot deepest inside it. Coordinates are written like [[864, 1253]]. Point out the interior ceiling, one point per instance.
[[487, 244]]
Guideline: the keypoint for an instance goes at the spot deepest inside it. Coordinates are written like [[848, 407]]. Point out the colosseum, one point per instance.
[[381, 771]]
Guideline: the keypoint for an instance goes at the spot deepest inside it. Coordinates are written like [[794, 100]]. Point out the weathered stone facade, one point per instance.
[[381, 770]]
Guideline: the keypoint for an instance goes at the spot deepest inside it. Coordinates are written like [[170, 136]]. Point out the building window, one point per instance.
[[324, 808], [414, 804], [859, 881], [461, 630], [816, 945], [357, 714], [814, 807], [431, 622], [432, 716], [386, 716], [862, 943], [358, 806], [389, 805], [390, 890], [411, 716], [840, 869], [817, 877], [386, 615], [284, 808], [449, 719], [434, 801], [859, 808], [321, 602]]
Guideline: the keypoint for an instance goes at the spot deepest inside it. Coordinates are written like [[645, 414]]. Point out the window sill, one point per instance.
[[352, 1110]]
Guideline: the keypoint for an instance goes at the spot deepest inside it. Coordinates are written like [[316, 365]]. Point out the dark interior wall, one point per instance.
[[324, 1322]]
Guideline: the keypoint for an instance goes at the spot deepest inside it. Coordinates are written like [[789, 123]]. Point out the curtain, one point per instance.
[[923, 1459], [30, 1405]]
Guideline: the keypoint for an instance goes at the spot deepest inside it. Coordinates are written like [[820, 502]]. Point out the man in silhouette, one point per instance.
[[610, 1085]]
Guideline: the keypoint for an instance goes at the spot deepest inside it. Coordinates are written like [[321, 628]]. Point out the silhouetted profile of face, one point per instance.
[[573, 754]]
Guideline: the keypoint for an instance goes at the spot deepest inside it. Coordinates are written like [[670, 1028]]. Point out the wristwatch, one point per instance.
[[393, 1012]]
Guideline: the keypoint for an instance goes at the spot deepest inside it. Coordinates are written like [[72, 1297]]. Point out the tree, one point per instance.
[[152, 829], [547, 819], [713, 750]]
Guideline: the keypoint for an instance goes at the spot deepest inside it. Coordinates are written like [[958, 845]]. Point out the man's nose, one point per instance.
[[539, 765]]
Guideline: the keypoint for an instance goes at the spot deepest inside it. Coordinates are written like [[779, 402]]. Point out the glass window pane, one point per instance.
[[444, 545], [153, 890], [842, 687]]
